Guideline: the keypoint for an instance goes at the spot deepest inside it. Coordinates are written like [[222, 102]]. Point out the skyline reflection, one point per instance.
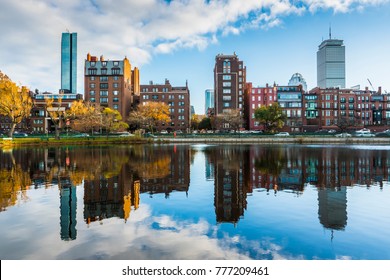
[[114, 179]]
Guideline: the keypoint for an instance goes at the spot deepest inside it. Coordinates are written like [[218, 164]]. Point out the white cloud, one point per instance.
[[31, 30]]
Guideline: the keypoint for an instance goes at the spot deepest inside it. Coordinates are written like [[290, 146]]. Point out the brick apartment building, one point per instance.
[[229, 85], [178, 99], [257, 97], [39, 121], [111, 83]]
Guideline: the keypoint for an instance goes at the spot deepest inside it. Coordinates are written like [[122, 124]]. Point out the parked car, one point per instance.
[[282, 134], [20, 134], [164, 132], [125, 134], [343, 135], [332, 131], [81, 135], [383, 134], [321, 131], [364, 133], [149, 135]]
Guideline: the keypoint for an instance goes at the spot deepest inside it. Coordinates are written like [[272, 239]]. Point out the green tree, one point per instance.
[[205, 123], [15, 102], [271, 117]]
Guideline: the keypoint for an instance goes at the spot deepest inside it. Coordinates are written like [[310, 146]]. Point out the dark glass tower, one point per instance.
[[69, 62]]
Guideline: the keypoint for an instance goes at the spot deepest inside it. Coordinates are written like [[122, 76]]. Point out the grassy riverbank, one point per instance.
[[50, 141]]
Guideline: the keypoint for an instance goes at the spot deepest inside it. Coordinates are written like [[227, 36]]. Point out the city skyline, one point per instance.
[[274, 39]]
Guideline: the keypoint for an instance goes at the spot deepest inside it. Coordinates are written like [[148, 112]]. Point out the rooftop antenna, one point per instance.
[[330, 31]]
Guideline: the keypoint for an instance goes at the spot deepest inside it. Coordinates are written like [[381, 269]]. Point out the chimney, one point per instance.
[[101, 58], [88, 57], [379, 90]]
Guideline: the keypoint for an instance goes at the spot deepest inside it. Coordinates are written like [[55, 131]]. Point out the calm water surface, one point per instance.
[[195, 202]]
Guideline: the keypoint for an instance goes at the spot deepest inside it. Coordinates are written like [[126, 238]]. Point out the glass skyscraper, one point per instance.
[[69, 62], [331, 64], [209, 98]]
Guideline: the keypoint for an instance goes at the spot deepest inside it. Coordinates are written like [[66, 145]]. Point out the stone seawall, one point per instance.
[[271, 140]]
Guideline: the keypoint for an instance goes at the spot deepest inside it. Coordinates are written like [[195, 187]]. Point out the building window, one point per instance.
[[103, 86], [91, 92], [92, 85], [92, 71], [226, 66], [115, 71], [103, 78], [115, 99], [226, 77], [115, 85], [155, 97], [115, 106], [116, 78], [92, 99], [93, 63], [103, 71], [146, 96], [103, 100], [92, 78], [181, 103], [226, 104], [227, 84], [116, 63], [181, 110], [227, 98], [227, 90], [104, 93], [115, 92]]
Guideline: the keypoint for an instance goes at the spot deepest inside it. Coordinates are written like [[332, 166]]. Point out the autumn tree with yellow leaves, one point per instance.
[[84, 116], [112, 120], [56, 111], [150, 115], [15, 102]]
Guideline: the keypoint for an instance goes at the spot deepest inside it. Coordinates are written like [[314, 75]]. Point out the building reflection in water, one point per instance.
[[115, 177], [231, 182], [68, 208], [332, 207], [164, 169]]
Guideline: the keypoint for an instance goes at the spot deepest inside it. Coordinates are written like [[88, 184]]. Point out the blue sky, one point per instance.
[[179, 40]]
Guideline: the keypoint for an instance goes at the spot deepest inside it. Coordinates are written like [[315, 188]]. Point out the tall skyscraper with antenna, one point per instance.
[[331, 63]]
